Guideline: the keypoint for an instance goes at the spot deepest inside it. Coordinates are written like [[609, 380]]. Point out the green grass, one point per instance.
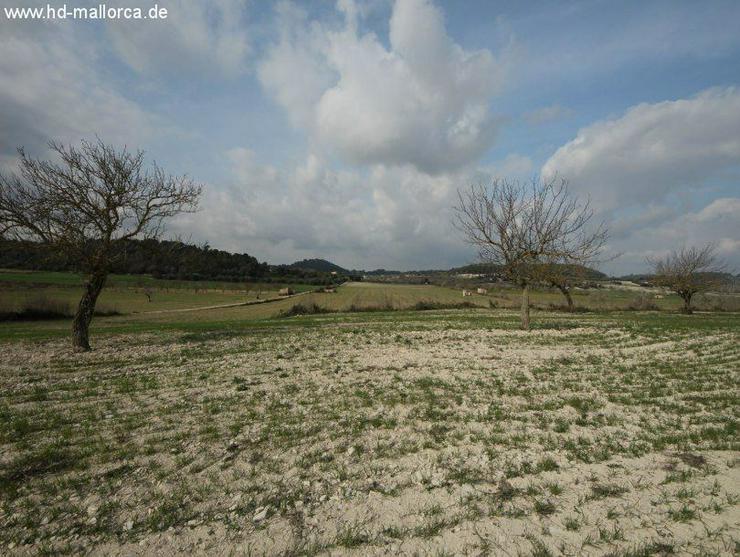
[[128, 293]]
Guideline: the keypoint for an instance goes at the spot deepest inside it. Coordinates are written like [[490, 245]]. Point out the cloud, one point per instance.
[[197, 37], [384, 216], [653, 150], [48, 91], [656, 232], [423, 101], [294, 70]]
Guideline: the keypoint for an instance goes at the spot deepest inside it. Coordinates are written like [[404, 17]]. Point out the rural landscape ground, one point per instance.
[[418, 428]]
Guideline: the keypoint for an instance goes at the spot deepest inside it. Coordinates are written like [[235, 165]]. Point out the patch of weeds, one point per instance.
[[514, 471], [393, 532], [506, 491], [692, 459], [684, 514], [544, 507], [547, 464], [554, 488], [572, 524], [679, 476], [607, 536], [50, 459], [431, 529], [352, 535], [433, 510], [169, 513], [653, 549], [601, 491], [539, 549], [561, 426]]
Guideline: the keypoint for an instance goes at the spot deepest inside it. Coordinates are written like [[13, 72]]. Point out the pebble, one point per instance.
[[261, 514]]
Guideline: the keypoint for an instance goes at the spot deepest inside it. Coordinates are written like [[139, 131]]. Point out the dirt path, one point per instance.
[[234, 305]]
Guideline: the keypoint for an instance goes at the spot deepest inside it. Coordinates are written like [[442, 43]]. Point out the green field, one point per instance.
[[381, 431], [127, 294]]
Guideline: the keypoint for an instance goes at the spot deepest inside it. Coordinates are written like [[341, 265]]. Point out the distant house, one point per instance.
[[286, 292], [467, 292], [482, 291]]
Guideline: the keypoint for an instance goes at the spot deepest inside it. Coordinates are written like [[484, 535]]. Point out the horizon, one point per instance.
[[345, 129]]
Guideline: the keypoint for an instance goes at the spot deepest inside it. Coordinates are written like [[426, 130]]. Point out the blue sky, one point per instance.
[[343, 130]]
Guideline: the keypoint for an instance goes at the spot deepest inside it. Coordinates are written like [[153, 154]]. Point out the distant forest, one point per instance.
[[167, 259]]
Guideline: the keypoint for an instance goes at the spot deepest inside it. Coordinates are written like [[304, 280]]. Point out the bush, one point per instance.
[[38, 309], [387, 306], [426, 305], [42, 308], [304, 309], [566, 308]]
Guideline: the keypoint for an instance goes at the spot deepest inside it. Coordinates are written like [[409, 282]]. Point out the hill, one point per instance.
[[166, 259], [320, 265]]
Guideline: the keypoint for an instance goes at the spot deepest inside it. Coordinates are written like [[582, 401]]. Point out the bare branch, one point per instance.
[[88, 203], [529, 229], [688, 271]]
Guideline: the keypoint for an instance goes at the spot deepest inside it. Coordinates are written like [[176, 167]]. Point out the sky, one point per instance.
[[344, 130]]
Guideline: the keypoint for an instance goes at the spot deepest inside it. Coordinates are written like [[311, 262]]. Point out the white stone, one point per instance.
[[261, 514]]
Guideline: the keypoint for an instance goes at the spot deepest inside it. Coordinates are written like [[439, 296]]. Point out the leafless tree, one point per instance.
[[87, 205], [563, 277], [526, 227], [688, 271]]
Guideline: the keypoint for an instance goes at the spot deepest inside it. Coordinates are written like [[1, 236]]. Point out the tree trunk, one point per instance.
[[525, 307], [687, 303], [566, 293], [85, 310]]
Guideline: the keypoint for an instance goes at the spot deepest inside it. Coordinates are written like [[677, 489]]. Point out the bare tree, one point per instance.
[[525, 228], [87, 205], [688, 271], [563, 277]]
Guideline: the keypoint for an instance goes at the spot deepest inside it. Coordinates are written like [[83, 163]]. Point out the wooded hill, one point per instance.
[[166, 259]]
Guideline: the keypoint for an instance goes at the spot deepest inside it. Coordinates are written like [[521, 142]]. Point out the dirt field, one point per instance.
[[419, 433]]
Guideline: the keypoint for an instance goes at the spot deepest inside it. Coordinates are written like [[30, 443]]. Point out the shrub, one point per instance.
[[427, 305], [566, 308], [386, 306], [39, 308], [304, 309]]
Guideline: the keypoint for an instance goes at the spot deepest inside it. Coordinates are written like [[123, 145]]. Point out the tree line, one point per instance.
[[162, 259]]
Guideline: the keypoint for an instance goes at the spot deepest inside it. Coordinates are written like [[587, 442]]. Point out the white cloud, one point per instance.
[[196, 37], [644, 170], [656, 234], [47, 91], [294, 70], [653, 149], [385, 216], [423, 101]]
